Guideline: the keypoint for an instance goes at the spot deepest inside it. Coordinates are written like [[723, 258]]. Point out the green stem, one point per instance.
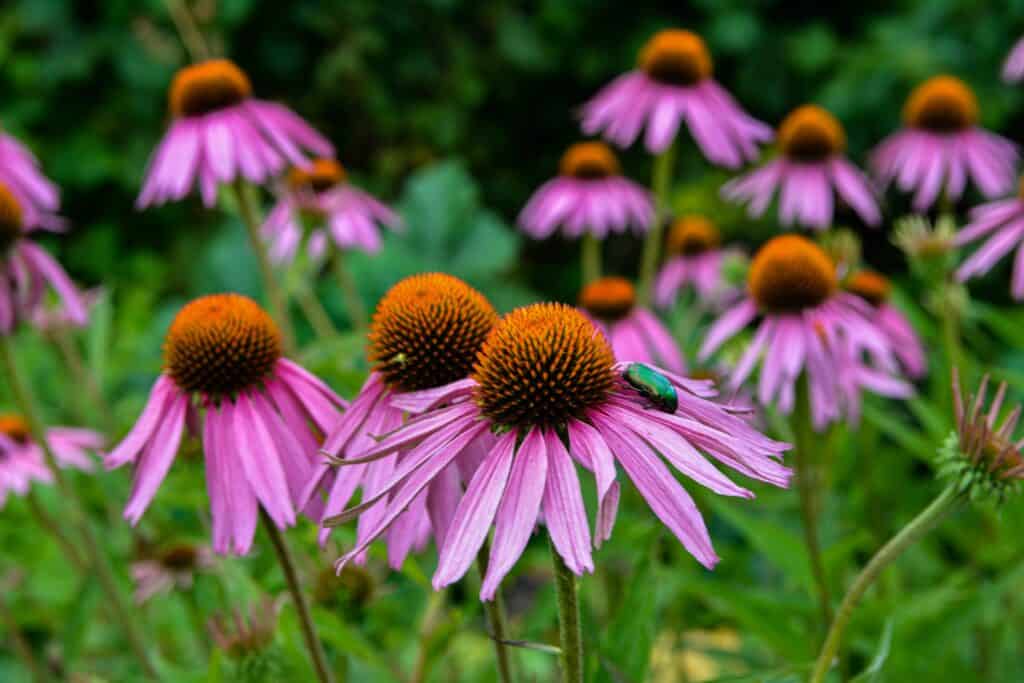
[[569, 631], [275, 295], [98, 562], [83, 377], [21, 646], [350, 293], [495, 611], [284, 558], [946, 502], [435, 606], [661, 183], [51, 525], [590, 258], [189, 32], [315, 313]]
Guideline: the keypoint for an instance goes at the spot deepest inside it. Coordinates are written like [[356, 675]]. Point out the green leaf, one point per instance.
[[874, 670]]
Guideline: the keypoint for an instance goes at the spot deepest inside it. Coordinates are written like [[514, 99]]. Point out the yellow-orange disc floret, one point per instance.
[[811, 133], [427, 331], [608, 298], [790, 273], [14, 427], [692, 235], [221, 344], [201, 88], [676, 57], [871, 286], [318, 176], [589, 161], [943, 104], [542, 365], [11, 218]]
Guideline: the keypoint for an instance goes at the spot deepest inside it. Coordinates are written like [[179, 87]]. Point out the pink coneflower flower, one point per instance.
[[337, 210], [942, 144], [260, 413], [810, 168], [425, 334], [906, 345], [171, 569], [546, 391], [22, 461], [220, 132], [1002, 222], [48, 318], [590, 195], [694, 259], [1013, 67], [19, 171], [26, 269], [634, 332], [808, 327], [673, 83]]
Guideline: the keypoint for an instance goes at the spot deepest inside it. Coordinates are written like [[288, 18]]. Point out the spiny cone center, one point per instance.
[[693, 235], [11, 219], [676, 57], [790, 274], [221, 344], [15, 428], [870, 286], [608, 298], [810, 134], [206, 87], [589, 161], [542, 365], [319, 176], [427, 331], [943, 104]]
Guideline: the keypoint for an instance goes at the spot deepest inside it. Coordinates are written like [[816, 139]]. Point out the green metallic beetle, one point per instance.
[[653, 386]]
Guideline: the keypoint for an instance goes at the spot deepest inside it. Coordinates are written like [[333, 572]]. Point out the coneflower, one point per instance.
[[695, 259], [876, 289]]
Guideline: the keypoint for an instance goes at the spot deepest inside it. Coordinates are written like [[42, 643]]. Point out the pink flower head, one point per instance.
[[339, 211], [942, 143], [1013, 67], [590, 195], [425, 333], [22, 461], [546, 395], [48, 318], [26, 268], [673, 84], [220, 132], [20, 172], [695, 260], [1002, 223], [808, 327], [634, 332], [875, 289], [811, 166], [262, 413], [170, 569]]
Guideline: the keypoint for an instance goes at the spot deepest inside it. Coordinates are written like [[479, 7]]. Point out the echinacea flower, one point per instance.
[[1002, 223], [634, 332], [21, 458], [811, 166], [170, 569], [942, 144], [1013, 67], [672, 84], [57, 316], [220, 132], [336, 210], [223, 355], [19, 170], [876, 289], [695, 258], [808, 328], [545, 394], [589, 196], [425, 334], [26, 269]]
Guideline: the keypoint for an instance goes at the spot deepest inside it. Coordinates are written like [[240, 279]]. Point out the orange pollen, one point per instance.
[[943, 104], [589, 161], [676, 57], [208, 86], [789, 274], [870, 286], [542, 365], [608, 298], [221, 344], [427, 331], [11, 218], [693, 235], [15, 428], [811, 133], [320, 175]]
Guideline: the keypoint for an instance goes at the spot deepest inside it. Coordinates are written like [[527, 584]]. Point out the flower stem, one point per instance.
[[661, 183], [190, 34], [435, 606], [287, 562], [83, 377], [98, 562], [350, 293], [495, 610], [946, 502], [315, 313], [50, 524], [569, 631], [21, 647], [275, 295], [590, 258]]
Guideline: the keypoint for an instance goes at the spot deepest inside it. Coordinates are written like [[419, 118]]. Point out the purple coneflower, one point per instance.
[[19, 170], [634, 332], [425, 334], [546, 391], [695, 259], [260, 412], [220, 132], [1002, 222], [589, 196], [22, 461], [942, 144], [808, 327], [172, 568], [1013, 67], [673, 83], [810, 168], [875, 288]]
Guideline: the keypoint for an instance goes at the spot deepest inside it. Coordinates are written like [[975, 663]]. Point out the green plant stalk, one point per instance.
[[98, 562], [350, 293], [435, 606], [50, 524], [76, 364], [275, 295], [309, 634], [661, 183], [21, 647], [495, 611], [189, 32], [315, 313], [569, 631], [590, 258], [945, 503]]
